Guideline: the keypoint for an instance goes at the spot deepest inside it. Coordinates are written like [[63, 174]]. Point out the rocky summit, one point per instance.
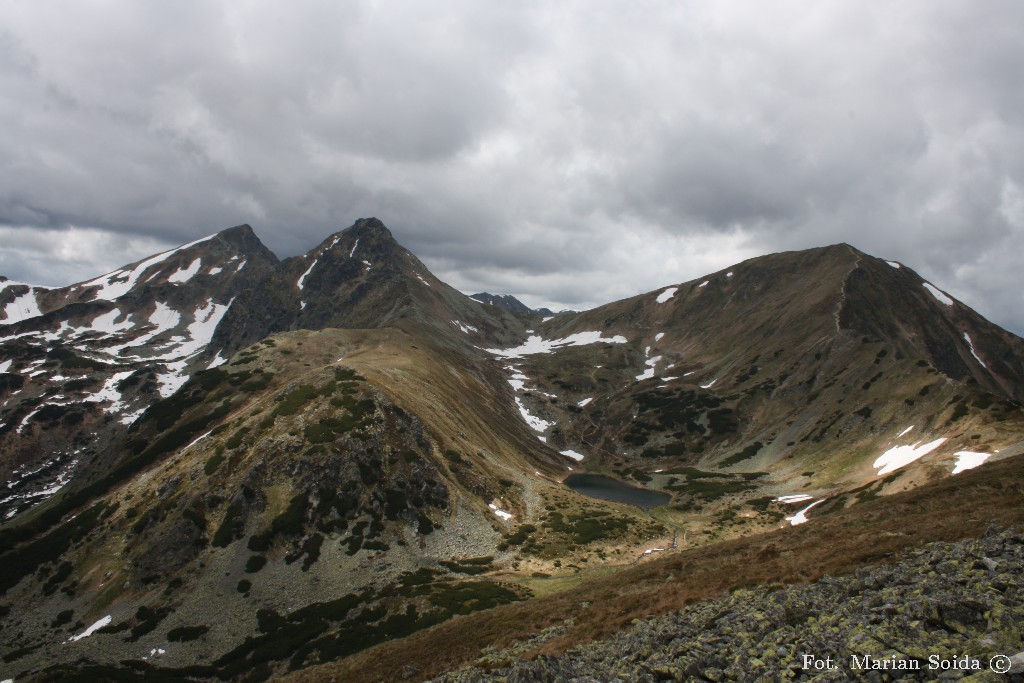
[[221, 465]]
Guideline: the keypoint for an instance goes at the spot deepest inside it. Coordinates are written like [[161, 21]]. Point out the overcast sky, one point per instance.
[[569, 153]]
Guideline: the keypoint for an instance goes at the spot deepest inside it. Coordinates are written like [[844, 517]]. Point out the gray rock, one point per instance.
[[907, 609]]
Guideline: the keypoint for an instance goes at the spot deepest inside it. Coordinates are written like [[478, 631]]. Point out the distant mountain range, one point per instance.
[[224, 465], [510, 303]]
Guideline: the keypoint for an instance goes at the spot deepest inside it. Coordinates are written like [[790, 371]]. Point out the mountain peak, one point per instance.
[[238, 235], [370, 227], [358, 277], [510, 303], [506, 301], [243, 240], [244, 229]]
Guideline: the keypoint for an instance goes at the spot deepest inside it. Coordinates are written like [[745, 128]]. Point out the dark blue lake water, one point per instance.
[[606, 488]]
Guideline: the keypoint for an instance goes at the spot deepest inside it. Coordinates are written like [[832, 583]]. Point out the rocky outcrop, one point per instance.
[[946, 612]]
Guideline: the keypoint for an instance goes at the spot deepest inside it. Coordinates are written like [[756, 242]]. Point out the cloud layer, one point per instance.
[[569, 153]]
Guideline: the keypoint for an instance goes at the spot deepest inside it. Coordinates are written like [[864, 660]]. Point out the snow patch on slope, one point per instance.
[[105, 322], [23, 307], [968, 460], [649, 372], [164, 317], [466, 329], [173, 379], [667, 294], [938, 294], [109, 393], [535, 344], [203, 326], [517, 379], [900, 456], [185, 274], [309, 270], [120, 282], [536, 423], [801, 517], [62, 479], [970, 345], [92, 629], [499, 512], [302, 279], [199, 334], [794, 498]]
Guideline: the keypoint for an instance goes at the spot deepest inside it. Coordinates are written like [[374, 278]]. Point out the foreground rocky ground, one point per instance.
[[946, 611]]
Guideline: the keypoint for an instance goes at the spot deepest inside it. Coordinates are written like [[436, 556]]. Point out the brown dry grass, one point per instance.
[[877, 531]]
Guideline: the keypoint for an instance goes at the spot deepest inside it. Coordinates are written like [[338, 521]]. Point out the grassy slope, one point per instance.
[[164, 535], [821, 360], [876, 531]]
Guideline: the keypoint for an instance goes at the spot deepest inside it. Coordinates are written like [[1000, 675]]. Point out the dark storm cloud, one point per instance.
[[568, 153]]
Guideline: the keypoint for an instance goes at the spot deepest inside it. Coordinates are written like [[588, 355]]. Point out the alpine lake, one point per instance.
[[607, 488]]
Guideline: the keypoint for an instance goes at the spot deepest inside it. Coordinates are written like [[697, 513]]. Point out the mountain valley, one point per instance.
[[225, 466]]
